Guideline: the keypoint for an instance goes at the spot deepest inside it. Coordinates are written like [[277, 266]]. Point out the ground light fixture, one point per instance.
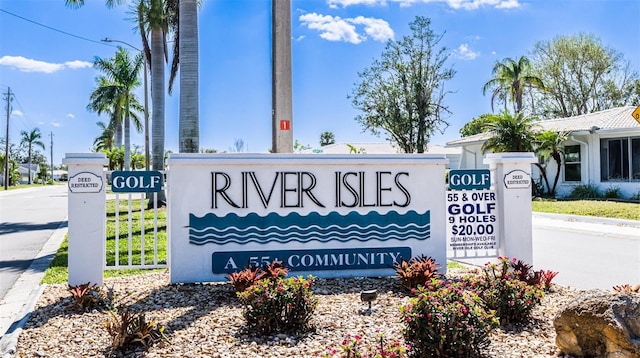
[[368, 296]]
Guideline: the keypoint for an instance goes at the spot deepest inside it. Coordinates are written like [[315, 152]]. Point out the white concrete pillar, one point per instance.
[[87, 217], [511, 179]]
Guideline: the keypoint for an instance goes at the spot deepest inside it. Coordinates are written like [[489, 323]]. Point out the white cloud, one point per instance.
[[508, 4], [455, 4], [331, 28], [78, 64], [300, 38], [344, 3], [335, 28], [465, 53], [31, 65], [71, 115], [378, 29], [17, 113], [56, 124], [476, 4]]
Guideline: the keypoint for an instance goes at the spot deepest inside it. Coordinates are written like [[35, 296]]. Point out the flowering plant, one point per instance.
[[502, 290], [278, 304], [353, 346], [445, 319]]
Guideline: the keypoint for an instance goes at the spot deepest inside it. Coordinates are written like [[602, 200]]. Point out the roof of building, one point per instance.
[[375, 148], [24, 168], [614, 118]]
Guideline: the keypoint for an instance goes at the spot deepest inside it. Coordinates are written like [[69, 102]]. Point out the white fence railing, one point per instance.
[[141, 250]]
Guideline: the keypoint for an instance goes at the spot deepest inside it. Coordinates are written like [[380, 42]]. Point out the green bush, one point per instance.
[[278, 304], [584, 191], [636, 196], [445, 319], [130, 330], [501, 290], [612, 192]]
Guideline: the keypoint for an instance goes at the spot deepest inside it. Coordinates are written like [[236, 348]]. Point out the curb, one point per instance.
[[588, 219], [20, 300]]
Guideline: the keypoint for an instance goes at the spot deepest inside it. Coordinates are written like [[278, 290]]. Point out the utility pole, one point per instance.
[[6, 142], [281, 91], [51, 147]]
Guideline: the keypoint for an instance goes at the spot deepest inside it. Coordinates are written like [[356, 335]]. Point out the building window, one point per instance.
[[620, 159], [572, 171]]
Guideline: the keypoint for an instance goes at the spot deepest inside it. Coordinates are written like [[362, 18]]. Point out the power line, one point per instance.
[[54, 29]]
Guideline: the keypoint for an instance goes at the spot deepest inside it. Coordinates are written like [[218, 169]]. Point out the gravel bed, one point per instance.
[[205, 320]]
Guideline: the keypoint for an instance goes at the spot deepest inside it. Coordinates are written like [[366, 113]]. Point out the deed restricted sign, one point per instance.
[[471, 223]]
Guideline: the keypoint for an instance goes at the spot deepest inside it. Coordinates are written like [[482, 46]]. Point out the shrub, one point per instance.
[[416, 271], [131, 330], [446, 320], [545, 279], [612, 192], [275, 270], [278, 305], [353, 346], [584, 191], [626, 288], [242, 280], [501, 290], [636, 196], [540, 278], [525, 273], [87, 296]]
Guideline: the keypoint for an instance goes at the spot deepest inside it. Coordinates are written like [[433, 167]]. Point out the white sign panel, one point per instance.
[[472, 223], [326, 215], [85, 182]]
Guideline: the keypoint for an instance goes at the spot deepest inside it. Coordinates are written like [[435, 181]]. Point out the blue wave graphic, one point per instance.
[[295, 227]]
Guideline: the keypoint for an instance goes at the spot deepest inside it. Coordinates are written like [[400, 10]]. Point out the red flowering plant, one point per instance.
[[278, 305], [501, 290], [417, 271], [353, 346], [445, 319]]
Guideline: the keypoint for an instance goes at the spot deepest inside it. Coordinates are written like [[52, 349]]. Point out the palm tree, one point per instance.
[[549, 146], [105, 139], [327, 138], [157, 18], [30, 139], [510, 133], [510, 79], [189, 133], [115, 89]]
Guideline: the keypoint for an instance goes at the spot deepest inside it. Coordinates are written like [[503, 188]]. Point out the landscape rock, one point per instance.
[[600, 324]]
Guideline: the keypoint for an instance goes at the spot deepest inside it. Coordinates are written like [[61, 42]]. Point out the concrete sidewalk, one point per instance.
[[20, 300]]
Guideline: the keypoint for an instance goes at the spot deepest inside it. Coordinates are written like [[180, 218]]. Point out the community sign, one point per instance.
[[328, 215]]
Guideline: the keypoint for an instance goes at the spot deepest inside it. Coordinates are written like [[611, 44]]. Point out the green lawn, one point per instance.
[[58, 273], [607, 209]]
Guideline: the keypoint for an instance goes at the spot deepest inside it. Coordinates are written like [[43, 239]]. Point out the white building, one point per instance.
[[602, 149]]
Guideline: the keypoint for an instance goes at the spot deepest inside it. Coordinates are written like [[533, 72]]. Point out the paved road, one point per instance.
[[587, 254], [28, 217]]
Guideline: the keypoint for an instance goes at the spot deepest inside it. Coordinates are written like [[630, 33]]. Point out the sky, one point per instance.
[[47, 51]]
